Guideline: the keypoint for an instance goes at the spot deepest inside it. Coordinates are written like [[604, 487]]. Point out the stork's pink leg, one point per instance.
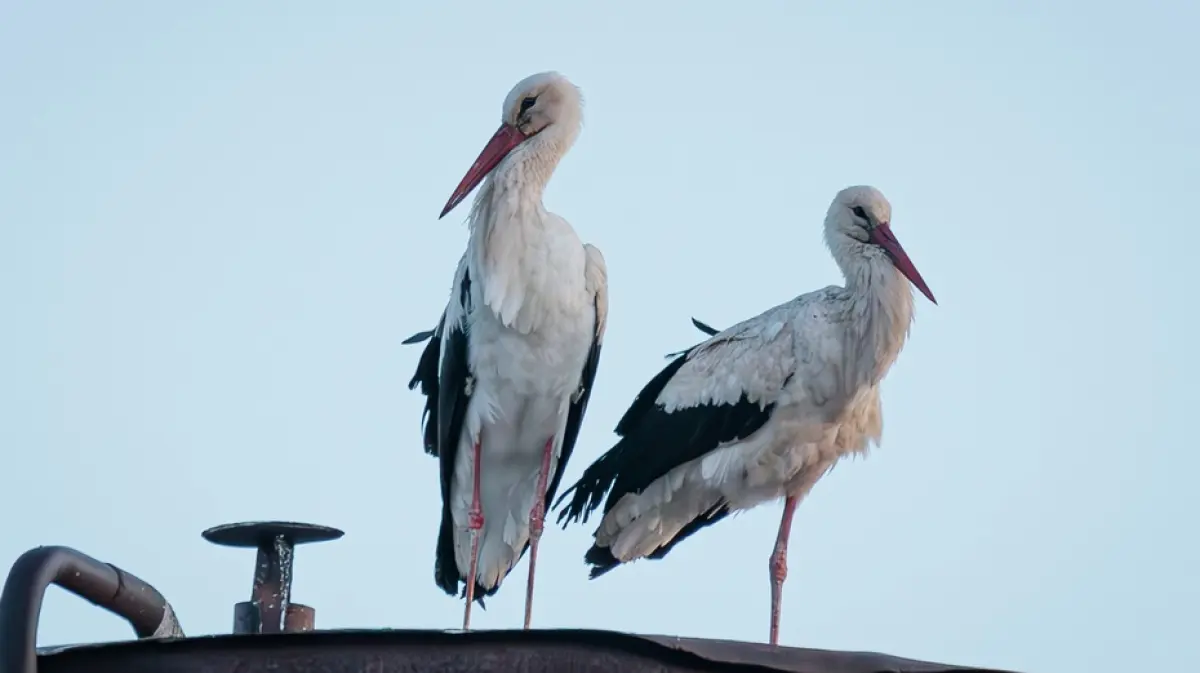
[[779, 566], [475, 524], [537, 518]]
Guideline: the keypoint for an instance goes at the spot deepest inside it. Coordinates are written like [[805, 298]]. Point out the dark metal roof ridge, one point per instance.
[[671, 652]]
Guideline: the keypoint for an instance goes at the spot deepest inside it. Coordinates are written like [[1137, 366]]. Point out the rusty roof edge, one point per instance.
[[739, 651], [736, 653]]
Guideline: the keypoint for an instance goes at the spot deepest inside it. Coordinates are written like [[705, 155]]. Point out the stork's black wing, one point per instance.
[[652, 442], [426, 377], [445, 385]]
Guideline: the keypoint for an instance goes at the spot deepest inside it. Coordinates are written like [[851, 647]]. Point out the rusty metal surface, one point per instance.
[[298, 618], [251, 534], [418, 651], [270, 608], [103, 584], [290, 644]]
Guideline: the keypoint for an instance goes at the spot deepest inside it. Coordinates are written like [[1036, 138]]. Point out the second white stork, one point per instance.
[[509, 370], [759, 411]]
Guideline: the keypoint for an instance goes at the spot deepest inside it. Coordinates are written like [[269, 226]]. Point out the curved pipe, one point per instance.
[[103, 584]]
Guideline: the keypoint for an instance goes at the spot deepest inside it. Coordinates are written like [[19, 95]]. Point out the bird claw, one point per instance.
[[469, 386]]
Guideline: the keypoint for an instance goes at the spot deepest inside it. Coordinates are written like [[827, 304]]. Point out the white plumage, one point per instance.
[[759, 411], [509, 372]]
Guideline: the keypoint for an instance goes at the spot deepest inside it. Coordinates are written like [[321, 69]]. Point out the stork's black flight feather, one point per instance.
[[652, 442]]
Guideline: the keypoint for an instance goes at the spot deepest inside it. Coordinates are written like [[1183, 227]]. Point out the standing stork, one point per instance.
[[759, 411], [510, 366]]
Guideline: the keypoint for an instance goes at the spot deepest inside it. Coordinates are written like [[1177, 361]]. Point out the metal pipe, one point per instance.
[[270, 608], [272, 589], [103, 584]]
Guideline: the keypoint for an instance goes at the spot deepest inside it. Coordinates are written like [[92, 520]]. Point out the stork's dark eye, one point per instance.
[[858, 210], [527, 103]]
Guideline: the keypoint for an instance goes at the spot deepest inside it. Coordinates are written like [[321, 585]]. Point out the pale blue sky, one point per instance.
[[218, 222]]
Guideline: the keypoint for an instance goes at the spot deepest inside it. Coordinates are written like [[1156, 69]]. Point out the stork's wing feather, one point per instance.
[[597, 285], [452, 400], [703, 327], [718, 392], [426, 377], [421, 336], [753, 359]]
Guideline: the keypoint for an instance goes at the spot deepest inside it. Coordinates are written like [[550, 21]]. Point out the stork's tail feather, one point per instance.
[[446, 574], [452, 582], [716, 513], [480, 593], [587, 493], [454, 585], [601, 559]]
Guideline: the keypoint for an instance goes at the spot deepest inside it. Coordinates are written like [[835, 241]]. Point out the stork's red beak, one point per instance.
[[497, 148], [882, 236]]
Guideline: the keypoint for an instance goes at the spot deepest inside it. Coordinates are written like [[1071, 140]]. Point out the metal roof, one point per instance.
[[273, 634], [533, 651]]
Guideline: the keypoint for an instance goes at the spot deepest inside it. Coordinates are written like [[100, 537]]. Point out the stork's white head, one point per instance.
[[541, 100], [540, 105], [861, 217]]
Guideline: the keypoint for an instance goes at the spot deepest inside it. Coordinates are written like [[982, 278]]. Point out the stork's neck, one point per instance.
[[512, 193], [881, 311], [509, 224]]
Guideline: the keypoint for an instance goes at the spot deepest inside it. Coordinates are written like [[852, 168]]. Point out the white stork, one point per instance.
[[509, 370], [759, 411]]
